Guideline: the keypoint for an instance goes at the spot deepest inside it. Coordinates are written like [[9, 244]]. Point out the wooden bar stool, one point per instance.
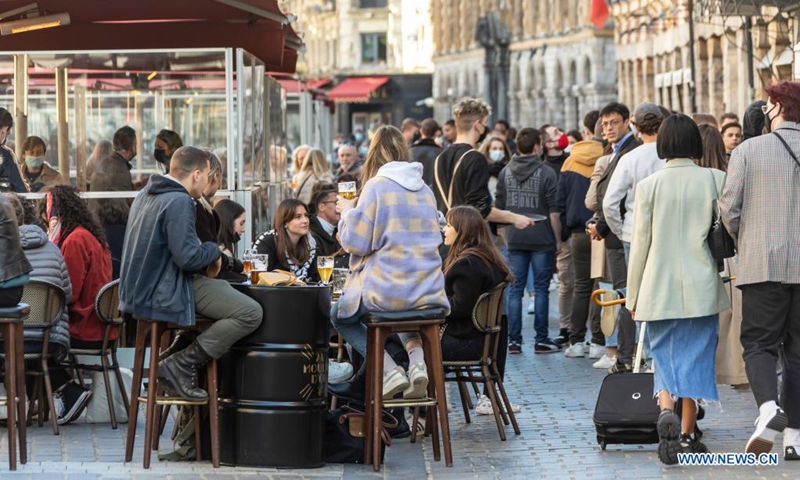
[[11, 320], [155, 330], [380, 325]]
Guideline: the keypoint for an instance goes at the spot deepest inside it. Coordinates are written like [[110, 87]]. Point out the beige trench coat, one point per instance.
[[730, 364]]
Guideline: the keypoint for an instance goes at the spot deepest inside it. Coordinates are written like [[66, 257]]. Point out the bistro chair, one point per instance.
[[380, 325], [154, 398], [48, 302], [11, 320], [106, 305], [485, 318]]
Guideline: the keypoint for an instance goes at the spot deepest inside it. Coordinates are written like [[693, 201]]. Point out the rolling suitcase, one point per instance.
[[626, 411]]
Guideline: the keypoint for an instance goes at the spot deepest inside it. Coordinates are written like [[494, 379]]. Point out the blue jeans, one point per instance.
[[542, 264], [352, 328], [626, 247]]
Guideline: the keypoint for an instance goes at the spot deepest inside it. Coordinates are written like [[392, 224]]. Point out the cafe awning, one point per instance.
[[257, 26], [356, 89]]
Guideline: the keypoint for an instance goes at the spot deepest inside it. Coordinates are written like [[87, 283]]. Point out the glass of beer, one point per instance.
[[347, 190], [338, 281], [325, 269], [247, 261], [259, 264]]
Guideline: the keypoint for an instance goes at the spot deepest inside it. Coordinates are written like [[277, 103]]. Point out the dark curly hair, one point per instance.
[[73, 212]]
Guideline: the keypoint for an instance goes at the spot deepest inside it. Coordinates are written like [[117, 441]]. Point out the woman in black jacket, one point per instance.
[[232, 218], [473, 267], [289, 244]]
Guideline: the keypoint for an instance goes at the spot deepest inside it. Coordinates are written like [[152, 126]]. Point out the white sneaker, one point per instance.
[[769, 423], [576, 350], [393, 382], [484, 406], [605, 362], [417, 381], [532, 306], [553, 285], [596, 351], [339, 372]]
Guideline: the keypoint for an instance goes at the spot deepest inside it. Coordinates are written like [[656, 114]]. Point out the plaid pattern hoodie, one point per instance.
[[393, 236]]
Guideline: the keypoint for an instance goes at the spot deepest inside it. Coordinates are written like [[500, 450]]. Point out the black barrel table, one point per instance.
[[274, 382]]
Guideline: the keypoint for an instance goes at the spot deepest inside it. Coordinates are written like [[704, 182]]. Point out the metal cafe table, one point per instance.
[[273, 383]]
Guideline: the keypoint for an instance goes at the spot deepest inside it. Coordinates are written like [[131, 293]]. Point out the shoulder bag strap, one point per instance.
[[448, 200], [788, 149]]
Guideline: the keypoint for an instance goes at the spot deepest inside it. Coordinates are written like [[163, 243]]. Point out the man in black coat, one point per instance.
[[425, 150], [324, 225], [616, 126]]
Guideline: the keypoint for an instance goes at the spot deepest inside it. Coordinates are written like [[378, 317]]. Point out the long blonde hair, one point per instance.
[[388, 145], [316, 163]]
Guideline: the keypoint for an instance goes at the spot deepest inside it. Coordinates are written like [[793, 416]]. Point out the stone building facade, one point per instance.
[[559, 64], [653, 55]]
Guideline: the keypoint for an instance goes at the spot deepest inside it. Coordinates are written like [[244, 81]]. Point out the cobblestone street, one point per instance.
[[557, 396]]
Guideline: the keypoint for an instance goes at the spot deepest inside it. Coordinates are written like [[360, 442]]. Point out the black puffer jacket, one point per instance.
[[12, 260], [48, 265]]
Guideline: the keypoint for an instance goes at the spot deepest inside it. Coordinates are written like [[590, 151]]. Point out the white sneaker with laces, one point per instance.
[[417, 381], [393, 382], [771, 421], [596, 351], [576, 350], [605, 362], [339, 372]]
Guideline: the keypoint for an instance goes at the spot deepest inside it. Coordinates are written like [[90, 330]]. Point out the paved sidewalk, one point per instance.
[[557, 396]]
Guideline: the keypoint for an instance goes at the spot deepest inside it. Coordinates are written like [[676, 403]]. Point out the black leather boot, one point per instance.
[[178, 373], [355, 389], [182, 340]]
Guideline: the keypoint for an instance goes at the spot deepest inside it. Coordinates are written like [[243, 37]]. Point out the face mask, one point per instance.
[[438, 141], [497, 155], [563, 141], [363, 151], [236, 237], [336, 145], [483, 135], [34, 162], [768, 125], [160, 155], [359, 137]]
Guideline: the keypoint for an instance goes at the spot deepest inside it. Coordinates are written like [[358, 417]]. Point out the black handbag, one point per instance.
[[344, 433], [720, 241]]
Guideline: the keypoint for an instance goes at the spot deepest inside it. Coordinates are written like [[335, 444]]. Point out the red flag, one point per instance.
[[599, 14]]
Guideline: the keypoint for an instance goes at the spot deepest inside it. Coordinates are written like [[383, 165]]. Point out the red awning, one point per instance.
[[356, 89], [322, 82], [257, 26], [291, 85]]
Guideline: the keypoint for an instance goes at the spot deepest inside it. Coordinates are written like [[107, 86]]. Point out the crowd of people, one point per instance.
[[444, 214]]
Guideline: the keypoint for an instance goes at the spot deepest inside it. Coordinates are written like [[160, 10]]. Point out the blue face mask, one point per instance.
[[34, 162], [497, 155], [363, 151], [359, 137]]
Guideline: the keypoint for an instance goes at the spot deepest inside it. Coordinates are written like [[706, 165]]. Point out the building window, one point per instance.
[[373, 48], [372, 3]]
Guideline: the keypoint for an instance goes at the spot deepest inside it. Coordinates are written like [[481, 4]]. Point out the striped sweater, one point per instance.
[[393, 237]]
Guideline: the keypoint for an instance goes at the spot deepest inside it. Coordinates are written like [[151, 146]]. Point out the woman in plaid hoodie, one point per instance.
[[391, 232]]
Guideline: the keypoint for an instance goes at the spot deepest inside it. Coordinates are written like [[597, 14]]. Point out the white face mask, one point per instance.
[[497, 155]]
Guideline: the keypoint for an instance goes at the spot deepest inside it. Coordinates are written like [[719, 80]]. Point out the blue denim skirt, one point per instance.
[[684, 352]]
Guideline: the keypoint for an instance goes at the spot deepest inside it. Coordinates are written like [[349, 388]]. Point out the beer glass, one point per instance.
[[347, 190], [338, 280], [325, 269], [247, 261], [259, 264]]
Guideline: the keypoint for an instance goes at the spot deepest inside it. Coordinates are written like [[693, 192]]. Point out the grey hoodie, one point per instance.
[[527, 186], [48, 264]]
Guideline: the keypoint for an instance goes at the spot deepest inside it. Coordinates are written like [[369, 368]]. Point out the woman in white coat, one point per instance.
[[673, 283]]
